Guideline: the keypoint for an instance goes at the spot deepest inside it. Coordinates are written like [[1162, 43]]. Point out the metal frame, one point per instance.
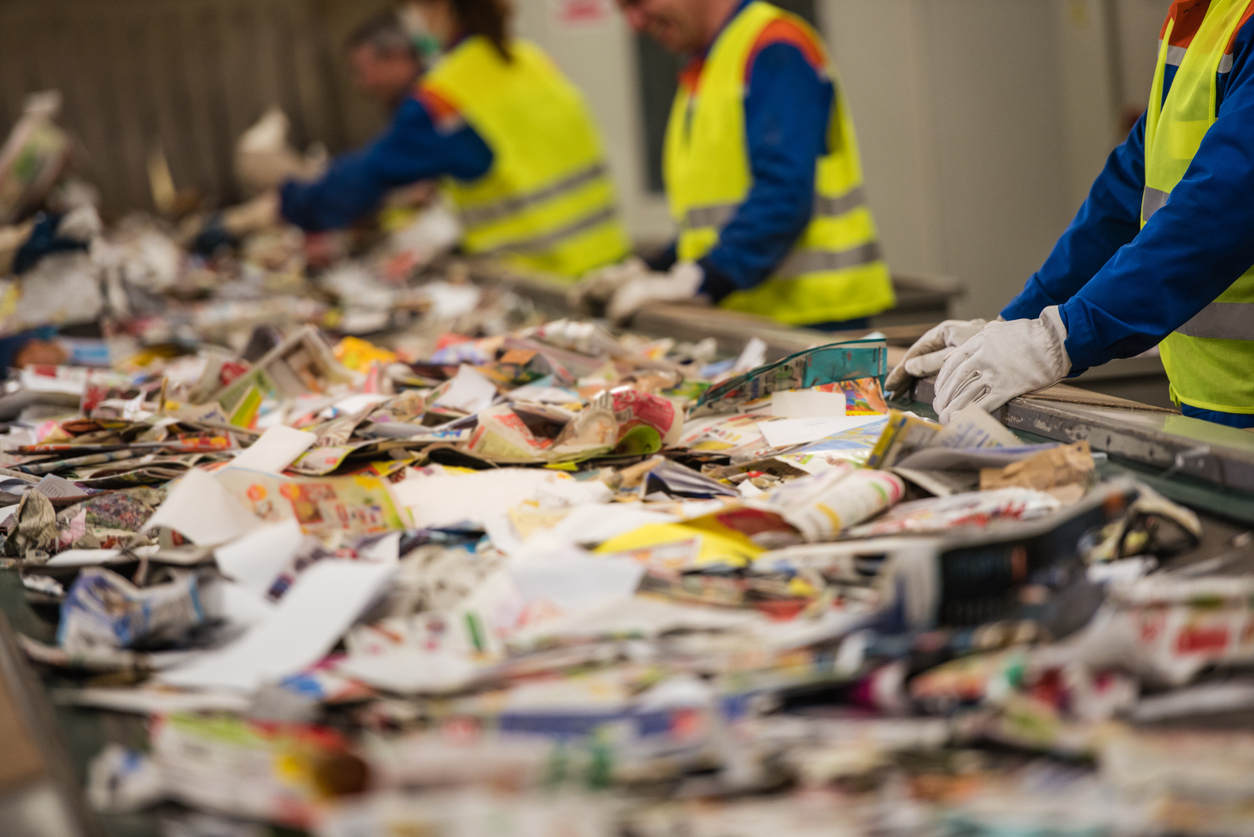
[[1160, 439]]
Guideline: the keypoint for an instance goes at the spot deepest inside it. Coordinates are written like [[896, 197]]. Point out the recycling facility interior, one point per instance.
[[534, 575]]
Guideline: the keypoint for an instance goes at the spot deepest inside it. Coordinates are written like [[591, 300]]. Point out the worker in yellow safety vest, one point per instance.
[[510, 137], [762, 174], [1161, 254]]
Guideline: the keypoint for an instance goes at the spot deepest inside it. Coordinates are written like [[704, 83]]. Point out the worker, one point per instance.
[[384, 59], [385, 64], [1160, 253], [510, 136], [762, 174]]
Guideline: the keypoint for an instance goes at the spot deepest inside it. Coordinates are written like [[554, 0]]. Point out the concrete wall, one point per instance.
[[191, 75], [982, 123]]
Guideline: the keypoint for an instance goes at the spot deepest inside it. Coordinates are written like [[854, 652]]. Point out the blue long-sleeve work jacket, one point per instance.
[[426, 139], [788, 105], [1121, 289]]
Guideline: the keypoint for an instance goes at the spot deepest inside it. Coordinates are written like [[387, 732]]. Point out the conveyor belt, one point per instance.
[[1166, 450], [1157, 439]]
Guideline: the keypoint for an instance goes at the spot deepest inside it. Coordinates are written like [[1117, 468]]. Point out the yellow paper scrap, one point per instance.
[[684, 545]]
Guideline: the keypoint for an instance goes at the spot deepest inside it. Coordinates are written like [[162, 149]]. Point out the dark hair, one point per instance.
[[489, 18], [385, 34]]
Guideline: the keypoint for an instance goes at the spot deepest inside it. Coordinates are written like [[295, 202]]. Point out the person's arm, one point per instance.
[[1109, 219], [787, 107], [1192, 249], [425, 140]]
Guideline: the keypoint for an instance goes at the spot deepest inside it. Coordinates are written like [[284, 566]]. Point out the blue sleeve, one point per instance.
[[1192, 249], [412, 148], [1109, 219], [787, 109]]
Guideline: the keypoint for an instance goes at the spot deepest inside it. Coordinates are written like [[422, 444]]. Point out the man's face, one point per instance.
[[384, 77], [672, 23]]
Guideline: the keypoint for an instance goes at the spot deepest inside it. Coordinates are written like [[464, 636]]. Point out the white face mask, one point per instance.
[[428, 44]]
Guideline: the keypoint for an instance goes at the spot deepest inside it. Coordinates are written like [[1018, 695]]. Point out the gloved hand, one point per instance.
[[264, 160], [681, 283], [1005, 360], [226, 228], [929, 353], [597, 288]]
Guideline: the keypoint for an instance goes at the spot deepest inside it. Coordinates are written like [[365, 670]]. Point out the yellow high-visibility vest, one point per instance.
[[547, 203], [835, 271], [1210, 359]]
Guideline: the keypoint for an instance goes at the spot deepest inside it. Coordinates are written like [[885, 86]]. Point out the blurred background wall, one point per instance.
[[982, 122], [188, 74]]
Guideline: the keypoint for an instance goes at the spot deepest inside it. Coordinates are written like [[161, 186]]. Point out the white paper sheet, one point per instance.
[[256, 559], [807, 403], [972, 427], [469, 392], [383, 550], [68, 380], [83, 557], [277, 448], [543, 392], [639, 615], [573, 579], [355, 403], [587, 524], [54, 486], [411, 671], [446, 499], [240, 606], [800, 431], [751, 356], [325, 600], [149, 700], [595, 523], [96, 557], [204, 512]]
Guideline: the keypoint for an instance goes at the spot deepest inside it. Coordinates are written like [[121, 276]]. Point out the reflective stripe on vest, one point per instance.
[[477, 216], [835, 270], [1209, 358], [1175, 55], [824, 207], [823, 261], [1222, 321], [547, 202], [1152, 201], [549, 240]]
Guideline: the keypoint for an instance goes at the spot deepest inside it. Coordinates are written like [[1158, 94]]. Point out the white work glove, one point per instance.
[[81, 224], [597, 288], [680, 284], [1005, 360], [264, 160], [434, 232], [929, 353]]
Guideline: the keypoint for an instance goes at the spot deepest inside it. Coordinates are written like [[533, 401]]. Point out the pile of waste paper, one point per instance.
[[378, 550]]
